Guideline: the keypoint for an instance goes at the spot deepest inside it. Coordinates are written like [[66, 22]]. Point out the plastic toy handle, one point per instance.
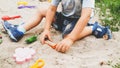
[[13, 17], [20, 7], [5, 18], [22, 3], [9, 18], [30, 6], [51, 44], [38, 64]]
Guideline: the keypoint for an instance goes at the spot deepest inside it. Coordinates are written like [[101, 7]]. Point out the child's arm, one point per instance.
[[50, 16], [68, 40], [49, 19], [80, 25]]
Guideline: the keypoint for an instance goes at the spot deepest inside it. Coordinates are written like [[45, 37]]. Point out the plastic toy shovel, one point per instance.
[[10, 17], [51, 44], [20, 7], [38, 64], [22, 3]]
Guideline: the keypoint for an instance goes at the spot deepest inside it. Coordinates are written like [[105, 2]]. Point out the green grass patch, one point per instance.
[[116, 65], [109, 13]]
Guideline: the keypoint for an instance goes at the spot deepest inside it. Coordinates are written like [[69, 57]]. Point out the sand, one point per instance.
[[89, 52]]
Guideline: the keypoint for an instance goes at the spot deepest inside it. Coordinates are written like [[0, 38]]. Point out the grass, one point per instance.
[[116, 65], [109, 13]]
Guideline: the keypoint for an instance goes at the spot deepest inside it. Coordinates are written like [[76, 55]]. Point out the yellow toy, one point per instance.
[[38, 64], [22, 3], [49, 0]]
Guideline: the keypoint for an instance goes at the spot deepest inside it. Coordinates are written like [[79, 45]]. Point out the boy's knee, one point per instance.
[[41, 12]]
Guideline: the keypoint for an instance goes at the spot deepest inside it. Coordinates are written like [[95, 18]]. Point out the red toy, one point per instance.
[[10, 18]]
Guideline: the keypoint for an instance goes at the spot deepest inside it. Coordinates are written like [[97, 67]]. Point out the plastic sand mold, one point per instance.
[[38, 64], [22, 55]]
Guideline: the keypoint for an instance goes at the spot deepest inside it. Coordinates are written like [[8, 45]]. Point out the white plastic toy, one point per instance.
[[22, 55]]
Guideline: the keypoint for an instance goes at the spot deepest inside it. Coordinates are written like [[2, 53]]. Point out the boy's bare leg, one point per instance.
[[36, 19], [86, 31]]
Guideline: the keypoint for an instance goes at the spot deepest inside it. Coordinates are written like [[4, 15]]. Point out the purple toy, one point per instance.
[[20, 7]]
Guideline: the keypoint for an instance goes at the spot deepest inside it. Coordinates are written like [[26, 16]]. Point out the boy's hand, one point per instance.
[[64, 45], [45, 34]]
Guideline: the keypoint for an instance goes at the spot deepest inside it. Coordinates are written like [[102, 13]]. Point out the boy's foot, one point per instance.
[[108, 34], [101, 32], [12, 31]]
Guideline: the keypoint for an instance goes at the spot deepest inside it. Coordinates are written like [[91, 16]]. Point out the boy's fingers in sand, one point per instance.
[[64, 49], [45, 35], [42, 39], [64, 45], [58, 47], [49, 37]]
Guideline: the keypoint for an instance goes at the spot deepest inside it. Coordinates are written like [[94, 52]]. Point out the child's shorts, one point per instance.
[[64, 24]]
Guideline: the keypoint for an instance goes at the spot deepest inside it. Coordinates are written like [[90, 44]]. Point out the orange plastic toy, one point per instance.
[[51, 44]]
